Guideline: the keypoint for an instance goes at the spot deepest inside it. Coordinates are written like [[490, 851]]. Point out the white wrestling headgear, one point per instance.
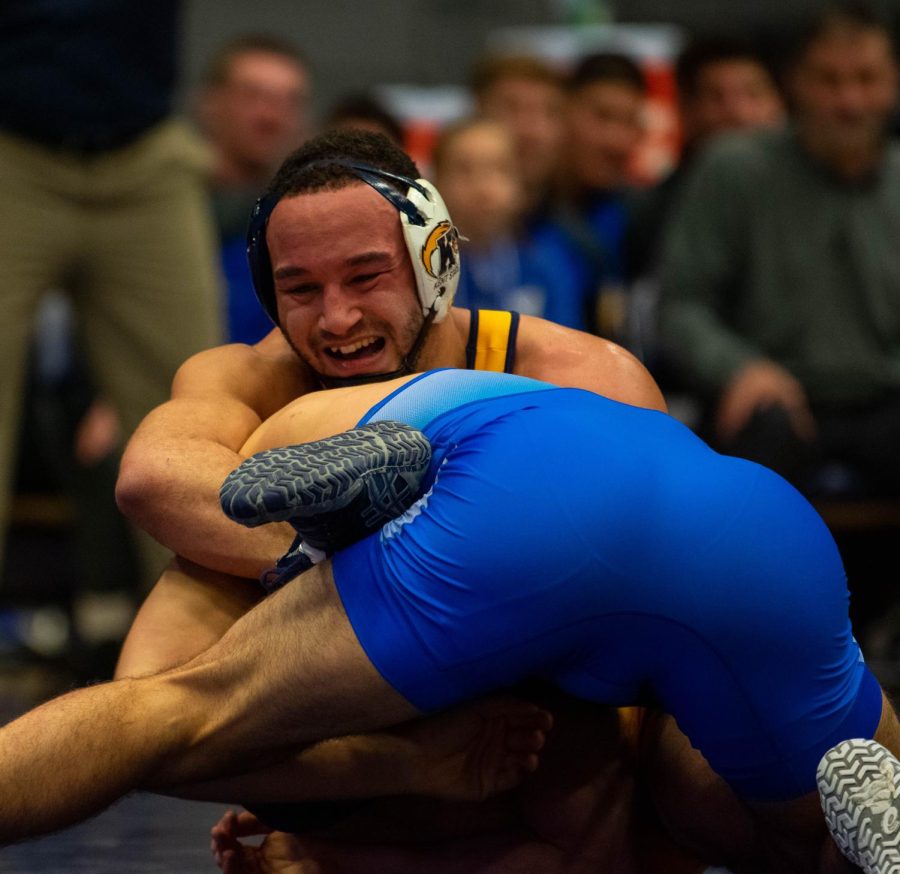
[[431, 238]]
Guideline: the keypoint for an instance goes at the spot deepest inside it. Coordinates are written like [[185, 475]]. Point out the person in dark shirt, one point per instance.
[[781, 275]]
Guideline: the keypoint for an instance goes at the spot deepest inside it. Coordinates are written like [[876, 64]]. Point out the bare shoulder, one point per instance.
[[574, 359], [264, 377]]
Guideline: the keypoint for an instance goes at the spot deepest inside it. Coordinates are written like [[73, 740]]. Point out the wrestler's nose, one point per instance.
[[340, 311]]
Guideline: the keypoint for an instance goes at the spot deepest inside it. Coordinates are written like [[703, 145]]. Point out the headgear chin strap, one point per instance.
[[429, 233]]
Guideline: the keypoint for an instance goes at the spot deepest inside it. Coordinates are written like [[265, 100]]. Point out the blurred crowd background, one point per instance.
[[713, 185]]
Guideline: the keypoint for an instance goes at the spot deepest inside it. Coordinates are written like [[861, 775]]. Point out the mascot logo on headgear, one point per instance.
[[440, 252]]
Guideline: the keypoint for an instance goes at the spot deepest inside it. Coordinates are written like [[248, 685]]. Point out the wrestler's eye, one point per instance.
[[365, 278], [306, 288]]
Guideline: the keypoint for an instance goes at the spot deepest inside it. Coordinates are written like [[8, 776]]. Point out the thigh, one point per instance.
[[476, 586], [290, 671], [733, 614], [187, 611]]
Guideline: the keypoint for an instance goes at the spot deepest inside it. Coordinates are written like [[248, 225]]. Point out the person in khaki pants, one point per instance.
[[103, 195]]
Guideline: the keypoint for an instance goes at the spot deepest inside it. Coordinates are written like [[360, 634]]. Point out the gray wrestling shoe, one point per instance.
[[333, 491], [859, 787]]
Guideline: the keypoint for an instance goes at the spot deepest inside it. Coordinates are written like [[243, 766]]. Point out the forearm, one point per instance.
[[75, 755], [173, 494], [357, 766]]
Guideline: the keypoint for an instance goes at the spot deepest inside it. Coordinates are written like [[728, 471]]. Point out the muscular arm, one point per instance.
[[468, 753], [574, 359], [175, 463]]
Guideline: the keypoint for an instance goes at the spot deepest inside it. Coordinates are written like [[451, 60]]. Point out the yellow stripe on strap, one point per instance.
[[493, 340]]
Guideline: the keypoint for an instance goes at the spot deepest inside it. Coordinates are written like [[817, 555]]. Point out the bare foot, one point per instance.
[[477, 749]]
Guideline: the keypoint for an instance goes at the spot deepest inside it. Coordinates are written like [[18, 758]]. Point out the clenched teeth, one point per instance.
[[352, 347]]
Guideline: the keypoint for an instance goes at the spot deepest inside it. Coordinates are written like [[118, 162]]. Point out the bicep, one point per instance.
[[213, 420]]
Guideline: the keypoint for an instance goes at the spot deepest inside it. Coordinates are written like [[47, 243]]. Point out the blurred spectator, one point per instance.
[[781, 272], [527, 96], [722, 86], [253, 107], [604, 126], [363, 112], [104, 194], [476, 171]]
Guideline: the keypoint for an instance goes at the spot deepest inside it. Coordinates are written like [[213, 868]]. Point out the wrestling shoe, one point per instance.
[[333, 491], [859, 788]]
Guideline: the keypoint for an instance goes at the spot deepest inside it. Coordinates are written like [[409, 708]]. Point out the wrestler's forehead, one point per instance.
[[342, 218]]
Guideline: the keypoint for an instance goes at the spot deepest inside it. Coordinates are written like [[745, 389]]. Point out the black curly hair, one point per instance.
[[307, 169]]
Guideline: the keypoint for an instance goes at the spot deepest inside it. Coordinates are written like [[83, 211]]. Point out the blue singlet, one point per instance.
[[607, 548]]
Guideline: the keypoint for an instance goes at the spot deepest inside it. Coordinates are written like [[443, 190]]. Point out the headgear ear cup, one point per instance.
[[258, 255], [433, 249], [429, 233]]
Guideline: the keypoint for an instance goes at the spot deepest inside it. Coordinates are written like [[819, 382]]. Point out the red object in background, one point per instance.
[[419, 137], [659, 151]]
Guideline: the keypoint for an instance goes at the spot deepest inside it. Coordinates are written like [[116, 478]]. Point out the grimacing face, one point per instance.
[[344, 284]]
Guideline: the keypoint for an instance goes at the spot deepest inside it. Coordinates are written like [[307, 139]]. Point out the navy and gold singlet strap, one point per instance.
[[492, 341]]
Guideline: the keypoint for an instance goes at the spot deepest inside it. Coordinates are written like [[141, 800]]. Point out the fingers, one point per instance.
[[247, 824], [527, 740], [224, 829], [223, 840], [803, 422], [514, 770], [523, 747], [526, 724], [759, 385], [522, 728], [224, 845], [536, 720], [233, 862], [526, 734]]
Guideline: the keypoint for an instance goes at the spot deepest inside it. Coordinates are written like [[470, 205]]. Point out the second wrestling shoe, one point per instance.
[[859, 788], [333, 491]]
